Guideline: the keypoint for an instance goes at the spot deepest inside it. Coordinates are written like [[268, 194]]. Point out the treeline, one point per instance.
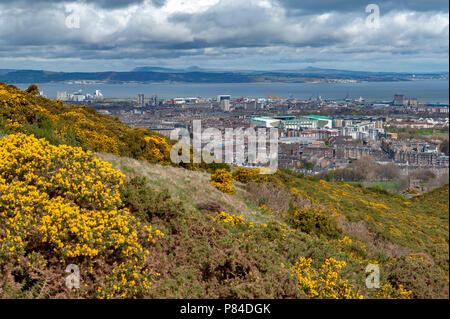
[[364, 169], [367, 170]]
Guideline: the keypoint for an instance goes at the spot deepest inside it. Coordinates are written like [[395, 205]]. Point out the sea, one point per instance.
[[432, 91]]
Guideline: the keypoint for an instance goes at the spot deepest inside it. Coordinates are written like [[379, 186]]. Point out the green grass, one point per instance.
[[430, 131]]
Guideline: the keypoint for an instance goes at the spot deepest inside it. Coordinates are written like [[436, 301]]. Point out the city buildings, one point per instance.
[[78, 96], [314, 135]]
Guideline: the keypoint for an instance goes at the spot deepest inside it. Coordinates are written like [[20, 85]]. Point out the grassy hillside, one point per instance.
[[138, 228], [358, 229], [419, 224]]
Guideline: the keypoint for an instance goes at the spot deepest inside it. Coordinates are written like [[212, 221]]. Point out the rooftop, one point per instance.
[[319, 117]]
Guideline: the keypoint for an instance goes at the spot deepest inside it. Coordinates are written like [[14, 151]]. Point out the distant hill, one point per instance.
[[313, 70], [5, 71], [33, 76], [155, 69], [198, 75], [169, 70]]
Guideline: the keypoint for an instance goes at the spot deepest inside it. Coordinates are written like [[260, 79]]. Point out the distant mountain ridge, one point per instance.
[[161, 69], [5, 71], [194, 74]]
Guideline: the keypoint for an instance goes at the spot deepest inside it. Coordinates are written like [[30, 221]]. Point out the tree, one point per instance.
[[422, 174], [365, 166], [444, 147], [32, 89], [388, 172]]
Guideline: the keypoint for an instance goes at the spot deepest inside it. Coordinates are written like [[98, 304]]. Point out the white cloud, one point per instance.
[[187, 6]]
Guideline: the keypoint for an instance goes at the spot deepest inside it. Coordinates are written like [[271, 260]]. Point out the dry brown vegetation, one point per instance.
[[190, 187]]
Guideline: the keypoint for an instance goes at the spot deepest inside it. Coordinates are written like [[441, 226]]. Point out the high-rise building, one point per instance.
[[155, 100], [225, 105], [78, 96], [141, 99]]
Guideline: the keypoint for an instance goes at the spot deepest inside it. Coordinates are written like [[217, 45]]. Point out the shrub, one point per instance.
[[422, 277], [213, 167], [43, 128], [227, 218], [388, 292], [324, 283], [146, 202], [63, 205], [32, 89], [313, 220], [379, 190], [246, 175], [223, 180]]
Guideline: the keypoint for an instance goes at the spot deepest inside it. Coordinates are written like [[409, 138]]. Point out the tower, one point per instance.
[[141, 99]]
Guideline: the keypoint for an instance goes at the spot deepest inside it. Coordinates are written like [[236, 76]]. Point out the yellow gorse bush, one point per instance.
[[324, 283], [156, 147], [227, 218], [68, 199], [388, 292], [223, 180], [246, 175]]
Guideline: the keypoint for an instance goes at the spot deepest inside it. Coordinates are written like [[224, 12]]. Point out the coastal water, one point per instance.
[[426, 91]]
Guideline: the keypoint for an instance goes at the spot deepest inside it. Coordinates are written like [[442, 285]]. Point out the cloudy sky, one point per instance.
[[103, 35]]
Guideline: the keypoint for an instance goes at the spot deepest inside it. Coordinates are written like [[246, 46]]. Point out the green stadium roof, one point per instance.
[[320, 117]]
